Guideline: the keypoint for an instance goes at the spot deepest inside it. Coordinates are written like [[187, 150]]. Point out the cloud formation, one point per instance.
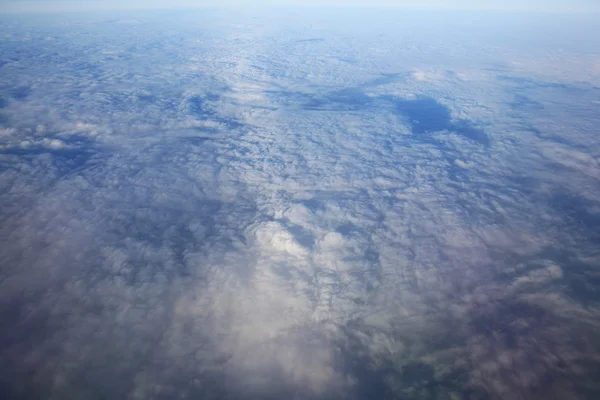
[[215, 206]]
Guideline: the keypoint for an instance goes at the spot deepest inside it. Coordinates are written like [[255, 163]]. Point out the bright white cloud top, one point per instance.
[[310, 205]]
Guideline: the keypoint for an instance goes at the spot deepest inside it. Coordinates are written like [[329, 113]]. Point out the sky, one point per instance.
[[507, 5]]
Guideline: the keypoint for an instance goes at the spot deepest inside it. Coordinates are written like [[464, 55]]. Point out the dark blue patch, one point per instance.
[[347, 229], [19, 92], [466, 129], [424, 114], [303, 236]]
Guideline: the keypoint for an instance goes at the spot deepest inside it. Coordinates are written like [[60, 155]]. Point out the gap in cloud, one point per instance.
[[426, 115]]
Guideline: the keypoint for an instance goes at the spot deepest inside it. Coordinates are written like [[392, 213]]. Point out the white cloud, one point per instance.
[[269, 220]]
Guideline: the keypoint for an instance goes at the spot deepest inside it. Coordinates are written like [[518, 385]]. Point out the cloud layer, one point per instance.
[[218, 206]]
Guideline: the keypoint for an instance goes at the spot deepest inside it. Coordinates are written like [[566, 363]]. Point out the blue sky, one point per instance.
[[72, 5]]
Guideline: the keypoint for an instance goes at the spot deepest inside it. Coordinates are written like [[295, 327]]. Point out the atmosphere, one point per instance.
[[398, 202], [506, 5]]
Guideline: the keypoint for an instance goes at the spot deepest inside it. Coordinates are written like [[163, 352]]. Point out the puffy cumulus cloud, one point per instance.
[[276, 239], [43, 143], [210, 206]]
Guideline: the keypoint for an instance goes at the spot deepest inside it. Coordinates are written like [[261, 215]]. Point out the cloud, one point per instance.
[[428, 75], [276, 222]]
